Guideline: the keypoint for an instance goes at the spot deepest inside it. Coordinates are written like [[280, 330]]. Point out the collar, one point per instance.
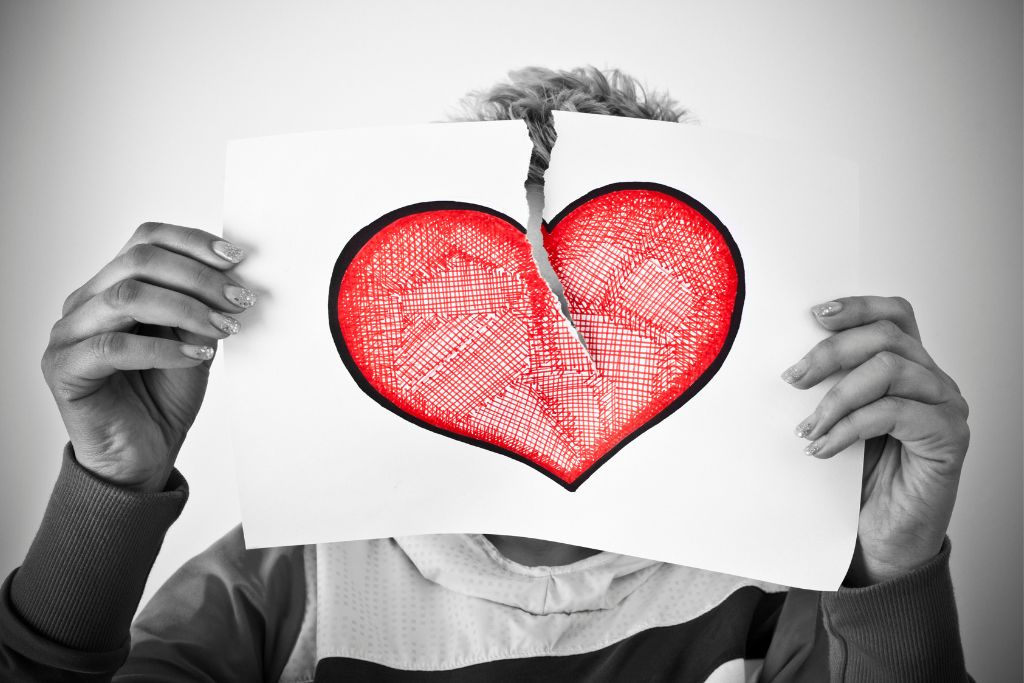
[[471, 565]]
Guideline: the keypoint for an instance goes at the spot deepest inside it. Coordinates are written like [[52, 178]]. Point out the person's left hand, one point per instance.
[[911, 415]]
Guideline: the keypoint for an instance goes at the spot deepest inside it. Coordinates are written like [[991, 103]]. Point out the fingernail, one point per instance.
[[240, 296], [796, 371], [197, 352], [228, 251], [804, 428], [224, 323], [815, 446], [826, 309]]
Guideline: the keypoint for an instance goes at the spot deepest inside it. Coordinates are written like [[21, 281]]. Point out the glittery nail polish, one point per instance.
[[804, 428], [796, 371], [826, 309], [197, 352], [228, 251], [240, 296], [224, 323], [815, 447]]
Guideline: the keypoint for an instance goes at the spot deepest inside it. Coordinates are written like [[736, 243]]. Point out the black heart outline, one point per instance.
[[364, 235]]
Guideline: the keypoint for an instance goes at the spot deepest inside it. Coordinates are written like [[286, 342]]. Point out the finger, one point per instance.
[[101, 356], [158, 266], [927, 429], [130, 302], [847, 349], [847, 312], [884, 374], [855, 311], [194, 339], [198, 244], [176, 334]]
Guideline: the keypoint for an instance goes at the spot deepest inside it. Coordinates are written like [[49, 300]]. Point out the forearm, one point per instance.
[[905, 629], [67, 610]]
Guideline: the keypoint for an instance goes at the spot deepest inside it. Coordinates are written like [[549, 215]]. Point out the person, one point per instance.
[[128, 364]]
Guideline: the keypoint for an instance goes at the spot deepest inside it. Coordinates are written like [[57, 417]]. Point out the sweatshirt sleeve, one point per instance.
[[65, 613], [905, 629]]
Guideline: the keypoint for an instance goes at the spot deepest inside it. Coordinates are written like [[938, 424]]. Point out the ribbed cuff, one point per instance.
[[84, 574], [905, 629]]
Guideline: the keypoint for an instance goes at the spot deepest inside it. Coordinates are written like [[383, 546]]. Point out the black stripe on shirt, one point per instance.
[[739, 627]]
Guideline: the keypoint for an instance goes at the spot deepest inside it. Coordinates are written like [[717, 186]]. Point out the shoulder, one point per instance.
[[229, 559], [227, 576], [227, 607]]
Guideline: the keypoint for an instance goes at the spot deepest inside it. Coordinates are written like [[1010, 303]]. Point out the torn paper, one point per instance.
[[445, 381]]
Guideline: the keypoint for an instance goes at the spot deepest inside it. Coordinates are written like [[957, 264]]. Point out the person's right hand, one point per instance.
[[129, 359]]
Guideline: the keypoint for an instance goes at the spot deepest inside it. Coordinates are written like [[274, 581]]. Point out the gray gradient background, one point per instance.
[[116, 113]]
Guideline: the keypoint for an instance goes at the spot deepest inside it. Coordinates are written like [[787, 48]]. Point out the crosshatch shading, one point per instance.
[[440, 314]]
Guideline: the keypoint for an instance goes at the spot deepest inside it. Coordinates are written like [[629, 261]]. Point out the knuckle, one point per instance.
[[892, 406], [124, 293], [903, 305], [56, 332], [890, 363], [965, 407], [833, 398], [826, 348], [47, 364], [959, 430], [200, 277], [55, 368], [845, 425], [888, 331], [108, 345], [194, 238], [187, 309], [71, 302], [139, 256], [61, 391], [146, 230], [964, 435], [957, 405]]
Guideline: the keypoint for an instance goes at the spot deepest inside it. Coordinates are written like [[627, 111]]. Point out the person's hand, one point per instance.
[[911, 415], [129, 359]]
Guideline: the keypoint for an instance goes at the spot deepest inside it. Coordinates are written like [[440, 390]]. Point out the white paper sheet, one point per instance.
[[320, 461]]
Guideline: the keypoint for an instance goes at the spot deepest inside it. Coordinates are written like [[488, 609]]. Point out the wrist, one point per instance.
[[128, 471], [128, 480], [868, 569]]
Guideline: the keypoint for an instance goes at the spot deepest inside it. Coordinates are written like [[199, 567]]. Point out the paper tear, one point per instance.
[[534, 233]]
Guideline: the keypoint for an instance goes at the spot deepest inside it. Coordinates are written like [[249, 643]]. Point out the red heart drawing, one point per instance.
[[441, 316]]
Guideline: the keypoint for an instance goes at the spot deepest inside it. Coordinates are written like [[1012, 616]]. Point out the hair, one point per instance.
[[533, 93]]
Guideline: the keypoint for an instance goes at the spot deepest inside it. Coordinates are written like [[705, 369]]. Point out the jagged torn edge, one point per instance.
[[535, 199]]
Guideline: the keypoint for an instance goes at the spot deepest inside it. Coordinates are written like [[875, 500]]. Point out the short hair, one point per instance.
[[533, 93]]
